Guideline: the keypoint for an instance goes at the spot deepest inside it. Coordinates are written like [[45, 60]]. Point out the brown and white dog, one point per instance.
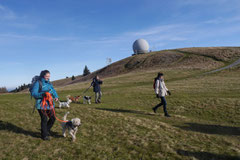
[[74, 99]]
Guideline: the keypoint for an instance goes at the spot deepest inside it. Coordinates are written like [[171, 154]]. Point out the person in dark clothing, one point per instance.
[[97, 89], [46, 86], [161, 91]]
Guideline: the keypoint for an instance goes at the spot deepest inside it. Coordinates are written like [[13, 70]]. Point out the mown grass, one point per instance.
[[205, 122]]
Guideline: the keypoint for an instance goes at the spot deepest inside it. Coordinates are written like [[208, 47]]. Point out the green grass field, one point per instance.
[[205, 122]]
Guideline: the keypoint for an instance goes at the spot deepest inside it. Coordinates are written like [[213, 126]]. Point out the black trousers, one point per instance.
[[46, 124], [164, 103]]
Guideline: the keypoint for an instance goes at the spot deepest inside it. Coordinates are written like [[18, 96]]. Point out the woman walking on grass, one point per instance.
[[161, 91], [39, 90]]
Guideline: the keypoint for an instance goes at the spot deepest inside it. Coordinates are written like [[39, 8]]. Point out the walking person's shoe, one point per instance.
[[99, 101], [46, 138], [154, 110], [167, 115]]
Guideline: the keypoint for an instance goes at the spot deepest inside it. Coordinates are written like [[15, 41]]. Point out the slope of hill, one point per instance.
[[204, 109], [207, 59]]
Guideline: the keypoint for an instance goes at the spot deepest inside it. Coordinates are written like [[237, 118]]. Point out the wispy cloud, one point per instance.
[[164, 35], [153, 30], [197, 2], [6, 13], [223, 20], [161, 32], [35, 37], [11, 19]]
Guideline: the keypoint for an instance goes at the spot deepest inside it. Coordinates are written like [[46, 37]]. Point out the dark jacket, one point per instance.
[[96, 85]]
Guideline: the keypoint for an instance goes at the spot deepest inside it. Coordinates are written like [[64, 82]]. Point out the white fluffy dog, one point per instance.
[[71, 126], [65, 104], [86, 100]]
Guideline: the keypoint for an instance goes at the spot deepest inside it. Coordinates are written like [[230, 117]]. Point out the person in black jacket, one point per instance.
[[97, 89]]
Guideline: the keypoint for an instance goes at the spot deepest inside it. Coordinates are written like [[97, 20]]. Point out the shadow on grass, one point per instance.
[[211, 129], [54, 134], [13, 128], [124, 111], [206, 155]]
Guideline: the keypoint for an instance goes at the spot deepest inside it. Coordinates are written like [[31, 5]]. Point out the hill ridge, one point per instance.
[[205, 58]]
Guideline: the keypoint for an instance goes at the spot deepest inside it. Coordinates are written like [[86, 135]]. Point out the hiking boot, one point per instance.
[[50, 133], [167, 115], [46, 138], [99, 101], [154, 110]]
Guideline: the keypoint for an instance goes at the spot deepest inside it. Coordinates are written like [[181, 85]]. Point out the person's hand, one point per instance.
[[169, 93], [56, 99], [44, 94]]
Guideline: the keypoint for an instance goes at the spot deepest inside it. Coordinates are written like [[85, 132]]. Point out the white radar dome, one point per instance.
[[140, 46]]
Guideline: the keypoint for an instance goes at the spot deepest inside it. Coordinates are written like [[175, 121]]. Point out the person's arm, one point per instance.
[[167, 89], [157, 87], [100, 82], [35, 91], [53, 92], [165, 86], [93, 82]]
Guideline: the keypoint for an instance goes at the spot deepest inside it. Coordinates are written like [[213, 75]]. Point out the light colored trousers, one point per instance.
[[98, 96]]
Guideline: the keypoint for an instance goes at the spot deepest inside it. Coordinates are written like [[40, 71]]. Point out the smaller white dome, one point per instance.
[[140, 46]]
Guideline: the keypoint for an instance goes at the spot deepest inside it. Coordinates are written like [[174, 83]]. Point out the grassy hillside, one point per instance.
[[204, 123], [206, 58], [204, 109]]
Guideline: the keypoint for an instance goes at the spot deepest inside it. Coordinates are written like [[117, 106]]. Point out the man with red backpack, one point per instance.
[[161, 91]]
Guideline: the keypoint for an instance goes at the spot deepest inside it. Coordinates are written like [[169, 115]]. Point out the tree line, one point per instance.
[[20, 88]]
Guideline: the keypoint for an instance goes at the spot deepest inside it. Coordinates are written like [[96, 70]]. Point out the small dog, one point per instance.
[[71, 126], [65, 104], [75, 99], [86, 100]]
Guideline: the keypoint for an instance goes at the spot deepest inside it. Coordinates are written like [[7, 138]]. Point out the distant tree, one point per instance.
[[21, 87], [67, 77], [3, 90], [86, 71], [73, 78]]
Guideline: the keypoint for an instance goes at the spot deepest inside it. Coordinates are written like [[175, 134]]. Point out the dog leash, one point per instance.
[[87, 89], [44, 105]]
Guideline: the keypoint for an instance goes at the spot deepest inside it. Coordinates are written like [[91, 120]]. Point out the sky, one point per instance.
[[65, 35]]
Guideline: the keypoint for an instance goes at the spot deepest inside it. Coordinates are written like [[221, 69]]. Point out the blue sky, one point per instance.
[[65, 35]]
